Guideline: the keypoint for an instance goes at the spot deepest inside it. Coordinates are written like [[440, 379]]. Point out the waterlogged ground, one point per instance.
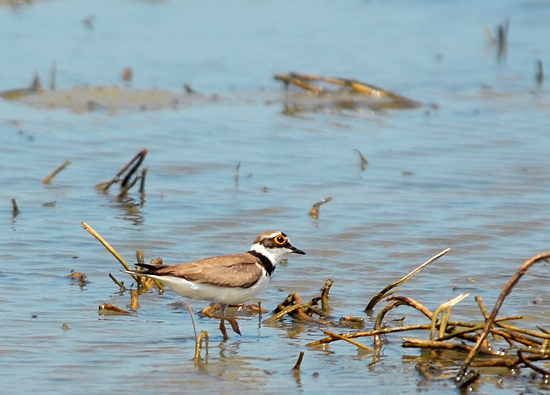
[[468, 170]]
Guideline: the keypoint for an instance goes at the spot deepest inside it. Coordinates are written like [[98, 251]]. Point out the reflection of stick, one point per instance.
[[49, 178], [237, 173], [382, 294], [198, 346], [340, 337], [489, 322]]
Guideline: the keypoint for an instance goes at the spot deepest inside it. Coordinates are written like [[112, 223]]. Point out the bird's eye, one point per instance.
[[280, 240]]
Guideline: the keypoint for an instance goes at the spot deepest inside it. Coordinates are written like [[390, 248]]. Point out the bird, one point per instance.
[[225, 279]]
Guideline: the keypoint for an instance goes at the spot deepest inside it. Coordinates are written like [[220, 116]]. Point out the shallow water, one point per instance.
[[471, 175]]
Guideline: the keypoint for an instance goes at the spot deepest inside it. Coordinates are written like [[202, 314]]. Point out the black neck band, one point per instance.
[[266, 262]]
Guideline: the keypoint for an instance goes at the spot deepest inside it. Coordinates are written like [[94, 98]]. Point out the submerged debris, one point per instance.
[[16, 94], [314, 212], [80, 278], [109, 309], [339, 94]]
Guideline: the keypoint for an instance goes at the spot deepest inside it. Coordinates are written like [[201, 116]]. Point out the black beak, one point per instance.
[[297, 251]]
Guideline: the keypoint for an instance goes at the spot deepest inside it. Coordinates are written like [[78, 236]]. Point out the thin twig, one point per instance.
[[143, 176], [489, 322], [444, 306], [364, 161], [382, 331], [89, 229], [192, 321], [120, 284], [340, 337], [382, 294], [536, 368], [299, 361], [139, 156], [54, 173]]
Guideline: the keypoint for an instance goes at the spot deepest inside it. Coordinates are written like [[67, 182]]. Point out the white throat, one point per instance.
[[275, 255]]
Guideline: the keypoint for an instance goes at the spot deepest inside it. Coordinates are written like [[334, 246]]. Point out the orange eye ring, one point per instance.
[[279, 240]]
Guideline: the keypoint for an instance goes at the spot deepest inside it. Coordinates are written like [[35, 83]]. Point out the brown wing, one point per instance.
[[237, 270]]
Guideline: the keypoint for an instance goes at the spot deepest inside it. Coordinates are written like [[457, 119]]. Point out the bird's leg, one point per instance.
[[223, 310], [207, 312]]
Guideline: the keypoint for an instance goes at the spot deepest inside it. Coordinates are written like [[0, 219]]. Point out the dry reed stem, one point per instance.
[[489, 322], [142, 184], [473, 328], [134, 302], [541, 334], [434, 344], [15, 209], [198, 346], [299, 361], [48, 179], [340, 337], [382, 294], [382, 331], [120, 284], [138, 157], [324, 295], [445, 318], [90, 230], [536, 368], [314, 212], [378, 321]]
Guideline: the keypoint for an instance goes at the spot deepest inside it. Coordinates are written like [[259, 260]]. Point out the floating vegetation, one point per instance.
[[79, 278], [109, 309], [328, 93], [314, 212]]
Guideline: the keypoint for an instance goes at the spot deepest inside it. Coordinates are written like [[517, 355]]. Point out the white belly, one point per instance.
[[212, 293]]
